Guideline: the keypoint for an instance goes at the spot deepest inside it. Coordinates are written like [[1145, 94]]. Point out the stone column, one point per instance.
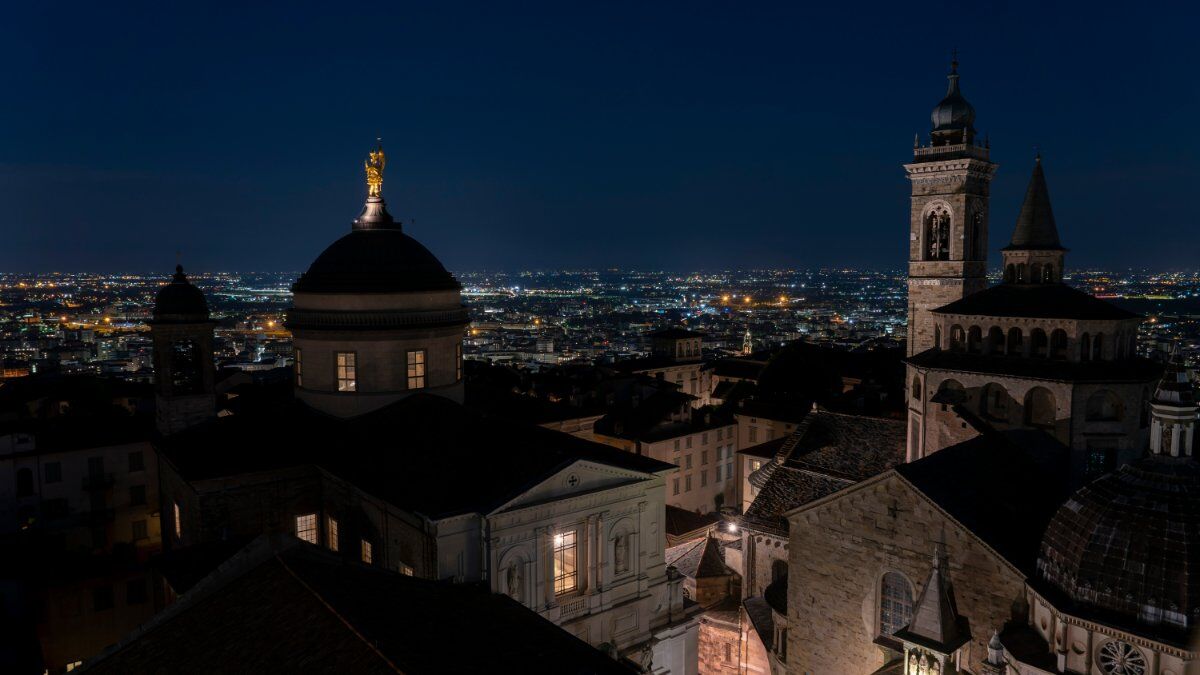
[[593, 547], [600, 551]]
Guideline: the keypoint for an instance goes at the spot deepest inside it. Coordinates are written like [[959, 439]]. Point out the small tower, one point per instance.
[[937, 632], [182, 333], [948, 220], [748, 343], [1035, 255], [994, 664], [1173, 412]]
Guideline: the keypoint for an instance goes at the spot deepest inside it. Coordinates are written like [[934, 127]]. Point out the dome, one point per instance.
[[375, 261], [953, 112], [180, 298], [1123, 546]]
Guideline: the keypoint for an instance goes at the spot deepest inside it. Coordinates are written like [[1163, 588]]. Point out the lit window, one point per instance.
[[346, 366], [367, 555], [406, 570], [178, 522], [565, 578], [333, 534], [416, 369], [299, 370], [458, 364], [306, 527]]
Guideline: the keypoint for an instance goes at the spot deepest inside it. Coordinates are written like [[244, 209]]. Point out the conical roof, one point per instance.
[[1035, 225], [935, 621]]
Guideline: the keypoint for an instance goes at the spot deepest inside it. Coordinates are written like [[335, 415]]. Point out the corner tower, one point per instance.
[[376, 317], [951, 179], [182, 332]]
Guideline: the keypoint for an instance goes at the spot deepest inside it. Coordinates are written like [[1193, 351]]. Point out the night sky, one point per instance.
[[567, 135]]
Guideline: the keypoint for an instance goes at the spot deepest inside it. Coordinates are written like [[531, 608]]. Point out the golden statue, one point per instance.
[[374, 166]]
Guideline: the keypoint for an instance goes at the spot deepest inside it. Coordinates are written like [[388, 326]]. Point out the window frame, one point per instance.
[[564, 542], [298, 366], [366, 552], [345, 374], [306, 528], [421, 363], [331, 533]]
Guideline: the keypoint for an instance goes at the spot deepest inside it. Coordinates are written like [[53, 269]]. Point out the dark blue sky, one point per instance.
[[656, 135]]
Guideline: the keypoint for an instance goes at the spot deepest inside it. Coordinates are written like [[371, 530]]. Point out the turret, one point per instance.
[[182, 333]]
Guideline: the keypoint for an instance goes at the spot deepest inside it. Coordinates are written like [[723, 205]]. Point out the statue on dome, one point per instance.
[[374, 166]]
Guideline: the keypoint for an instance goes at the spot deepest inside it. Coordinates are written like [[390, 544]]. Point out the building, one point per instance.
[[372, 455], [676, 356]]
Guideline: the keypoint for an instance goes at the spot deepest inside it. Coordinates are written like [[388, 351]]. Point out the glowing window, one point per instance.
[[299, 370], [416, 369], [346, 371], [565, 550], [333, 534], [406, 570], [367, 552], [458, 363], [306, 527], [178, 522]]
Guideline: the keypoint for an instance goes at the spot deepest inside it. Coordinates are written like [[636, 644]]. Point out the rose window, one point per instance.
[[1121, 658]]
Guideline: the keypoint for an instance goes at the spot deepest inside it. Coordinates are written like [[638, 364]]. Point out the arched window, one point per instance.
[[937, 336], [995, 341], [1040, 408], [779, 570], [1010, 273], [1035, 273], [957, 338], [975, 340], [1119, 344], [895, 603], [916, 389], [937, 234], [1022, 273], [1037, 343], [994, 402], [1048, 274], [977, 237], [1098, 347], [1085, 347], [1104, 406], [24, 483], [1058, 344], [1016, 342], [951, 392]]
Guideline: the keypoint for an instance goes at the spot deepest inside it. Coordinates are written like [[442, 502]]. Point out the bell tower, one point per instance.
[[951, 179], [182, 332]]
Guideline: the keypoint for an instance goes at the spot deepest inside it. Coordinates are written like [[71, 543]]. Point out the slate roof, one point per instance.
[[698, 559], [282, 605], [1036, 301], [1035, 229], [981, 495], [1130, 540], [682, 521], [423, 453], [761, 619], [828, 452], [1125, 370]]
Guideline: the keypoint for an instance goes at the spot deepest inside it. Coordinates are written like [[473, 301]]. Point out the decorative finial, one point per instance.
[[916, 141], [1037, 154], [954, 61], [374, 166]]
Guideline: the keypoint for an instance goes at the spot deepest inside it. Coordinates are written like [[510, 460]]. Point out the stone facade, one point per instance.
[[841, 549], [950, 188]]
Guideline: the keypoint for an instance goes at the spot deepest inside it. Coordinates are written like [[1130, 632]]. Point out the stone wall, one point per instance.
[[719, 643], [841, 548]]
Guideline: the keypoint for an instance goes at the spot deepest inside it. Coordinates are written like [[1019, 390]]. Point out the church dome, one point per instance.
[[379, 260], [953, 112], [1124, 545], [180, 298]]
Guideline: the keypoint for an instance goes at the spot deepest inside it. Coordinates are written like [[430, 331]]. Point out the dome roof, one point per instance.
[[1124, 545], [180, 298], [383, 260], [953, 112]]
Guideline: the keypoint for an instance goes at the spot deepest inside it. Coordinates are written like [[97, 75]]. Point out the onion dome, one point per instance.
[[953, 112], [180, 300], [1035, 229], [1123, 546]]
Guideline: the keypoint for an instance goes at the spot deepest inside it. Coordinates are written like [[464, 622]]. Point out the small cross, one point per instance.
[[573, 481], [894, 509]]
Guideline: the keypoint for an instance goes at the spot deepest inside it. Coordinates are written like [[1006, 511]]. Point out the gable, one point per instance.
[[578, 478]]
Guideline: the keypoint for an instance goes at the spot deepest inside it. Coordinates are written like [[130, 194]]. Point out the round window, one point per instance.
[[1121, 658]]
